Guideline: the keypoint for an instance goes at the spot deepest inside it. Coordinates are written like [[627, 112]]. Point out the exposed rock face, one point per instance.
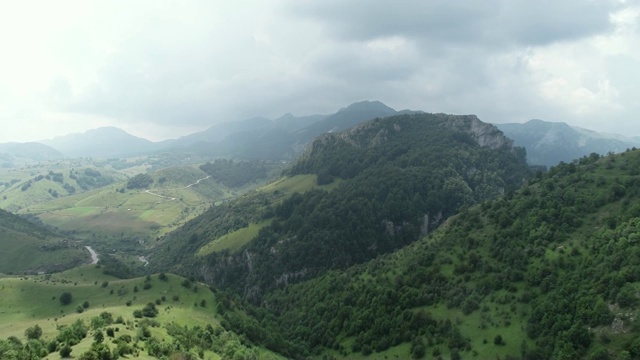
[[483, 133]]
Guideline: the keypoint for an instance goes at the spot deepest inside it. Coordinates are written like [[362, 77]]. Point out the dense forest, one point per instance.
[[547, 272], [235, 174]]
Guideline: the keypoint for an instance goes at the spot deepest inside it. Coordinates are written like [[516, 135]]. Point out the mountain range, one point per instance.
[[413, 235], [547, 143]]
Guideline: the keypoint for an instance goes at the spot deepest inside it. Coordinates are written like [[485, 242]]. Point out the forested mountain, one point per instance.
[[397, 178], [29, 248], [105, 142], [550, 271], [18, 154], [548, 143]]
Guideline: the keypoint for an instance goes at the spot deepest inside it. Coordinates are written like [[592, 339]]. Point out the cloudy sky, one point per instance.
[[161, 69]]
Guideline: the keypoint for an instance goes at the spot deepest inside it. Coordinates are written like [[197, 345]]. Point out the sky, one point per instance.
[[163, 69]]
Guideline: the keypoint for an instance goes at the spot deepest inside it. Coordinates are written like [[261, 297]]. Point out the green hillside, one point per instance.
[[547, 272], [28, 248], [125, 213], [38, 185], [383, 184], [158, 316]]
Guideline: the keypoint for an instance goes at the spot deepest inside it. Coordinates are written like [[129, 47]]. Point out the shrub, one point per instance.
[[66, 298]]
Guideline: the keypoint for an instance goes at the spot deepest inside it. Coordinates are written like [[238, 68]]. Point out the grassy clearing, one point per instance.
[[298, 183], [233, 241]]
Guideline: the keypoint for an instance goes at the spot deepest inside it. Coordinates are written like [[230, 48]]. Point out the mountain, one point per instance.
[[345, 118], [16, 154], [220, 131], [549, 271], [30, 248], [548, 143], [104, 142], [281, 139], [373, 189]]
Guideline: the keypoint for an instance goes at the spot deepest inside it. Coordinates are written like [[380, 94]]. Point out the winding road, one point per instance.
[[179, 188]]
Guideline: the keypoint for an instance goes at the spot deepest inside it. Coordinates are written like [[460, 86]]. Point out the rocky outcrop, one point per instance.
[[484, 134]]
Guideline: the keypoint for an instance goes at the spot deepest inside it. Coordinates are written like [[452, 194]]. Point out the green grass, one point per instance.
[[106, 212], [298, 183], [33, 300], [233, 241], [25, 253]]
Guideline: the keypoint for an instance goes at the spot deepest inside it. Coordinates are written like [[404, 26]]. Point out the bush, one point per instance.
[[65, 351], [66, 298], [33, 332]]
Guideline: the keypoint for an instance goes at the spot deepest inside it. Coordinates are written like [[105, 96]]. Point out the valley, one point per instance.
[[405, 236]]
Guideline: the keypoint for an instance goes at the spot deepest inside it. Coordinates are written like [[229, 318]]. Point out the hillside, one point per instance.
[[390, 180], [547, 272], [37, 185], [548, 143], [29, 248], [90, 315]]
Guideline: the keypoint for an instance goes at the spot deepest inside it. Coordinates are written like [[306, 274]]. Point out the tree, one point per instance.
[[98, 337], [33, 332], [65, 351], [66, 298]]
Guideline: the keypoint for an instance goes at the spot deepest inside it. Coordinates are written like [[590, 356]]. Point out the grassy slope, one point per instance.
[[29, 248], [286, 185], [107, 212], [33, 300], [13, 198]]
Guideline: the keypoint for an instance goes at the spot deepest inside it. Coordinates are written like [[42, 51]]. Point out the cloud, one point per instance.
[[496, 22], [181, 66]]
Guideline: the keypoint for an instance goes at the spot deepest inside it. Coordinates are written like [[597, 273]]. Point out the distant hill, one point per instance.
[[29, 248], [548, 143], [104, 142], [16, 154]]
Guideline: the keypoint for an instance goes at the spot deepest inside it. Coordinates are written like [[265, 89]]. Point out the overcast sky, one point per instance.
[[162, 69]]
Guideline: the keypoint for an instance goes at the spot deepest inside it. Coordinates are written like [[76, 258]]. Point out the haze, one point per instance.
[[164, 69]]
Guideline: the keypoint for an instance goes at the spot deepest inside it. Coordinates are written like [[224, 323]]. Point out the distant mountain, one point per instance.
[[281, 139], [345, 118], [15, 154], [548, 143], [104, 142], [219, 132]]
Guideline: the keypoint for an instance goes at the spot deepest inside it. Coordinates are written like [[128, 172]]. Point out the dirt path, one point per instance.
[[94, 255], [179, 188]]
